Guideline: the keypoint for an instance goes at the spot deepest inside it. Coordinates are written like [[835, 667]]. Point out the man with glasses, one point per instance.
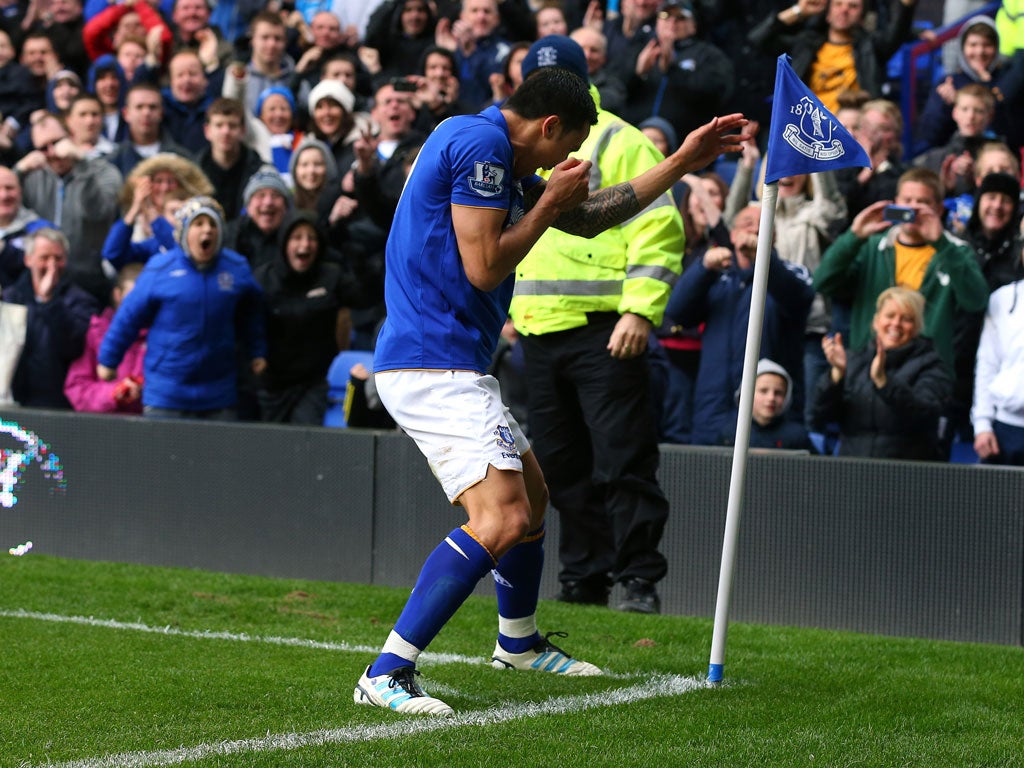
[[78, 194]]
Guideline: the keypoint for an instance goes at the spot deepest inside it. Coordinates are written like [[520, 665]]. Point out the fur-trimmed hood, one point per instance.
[[191, 178]]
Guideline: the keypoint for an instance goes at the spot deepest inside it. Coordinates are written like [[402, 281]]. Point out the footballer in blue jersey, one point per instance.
[[471, 210], [437, 319]]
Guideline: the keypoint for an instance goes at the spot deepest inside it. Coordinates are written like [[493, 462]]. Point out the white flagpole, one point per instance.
[[739, 456]]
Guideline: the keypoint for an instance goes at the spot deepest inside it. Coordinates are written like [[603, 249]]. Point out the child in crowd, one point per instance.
[[973, 109], [995, 157], [197, 300], [980, 62], [308, 322], [83, 388], [770, 425], [137, 62]]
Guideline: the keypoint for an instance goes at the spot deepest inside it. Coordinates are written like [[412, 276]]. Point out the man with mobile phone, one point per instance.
[[899, 214], [876, 253], [402, 84]]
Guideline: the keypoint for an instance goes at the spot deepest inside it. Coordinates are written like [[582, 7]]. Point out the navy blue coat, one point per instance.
[[721, 300], [54, 337], [184, 123]]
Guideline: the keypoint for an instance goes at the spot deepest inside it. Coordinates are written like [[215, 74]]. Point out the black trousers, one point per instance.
[[593, 432]]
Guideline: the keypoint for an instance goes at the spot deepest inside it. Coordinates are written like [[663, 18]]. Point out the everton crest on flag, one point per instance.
[[804, 137]]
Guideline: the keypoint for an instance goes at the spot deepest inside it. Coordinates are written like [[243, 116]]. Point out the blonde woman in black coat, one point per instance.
[[887, 399]]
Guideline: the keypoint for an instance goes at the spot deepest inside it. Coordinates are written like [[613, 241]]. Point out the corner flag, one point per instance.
[[804, 137]]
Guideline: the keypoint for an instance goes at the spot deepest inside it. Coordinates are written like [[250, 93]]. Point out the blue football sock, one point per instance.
[[517, 582], [447, 578]]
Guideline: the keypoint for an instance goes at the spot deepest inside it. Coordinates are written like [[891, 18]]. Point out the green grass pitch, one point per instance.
[[106, 664]]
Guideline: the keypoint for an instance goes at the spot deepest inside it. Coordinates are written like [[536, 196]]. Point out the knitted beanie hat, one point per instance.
[[190, 210], [266, 177]]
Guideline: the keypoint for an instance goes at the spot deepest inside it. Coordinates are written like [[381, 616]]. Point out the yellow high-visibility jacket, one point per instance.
[[628, 268], [1010, 26]]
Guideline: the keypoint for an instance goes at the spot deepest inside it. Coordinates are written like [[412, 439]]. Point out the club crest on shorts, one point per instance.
[[506, 442], [486, 179], [812, 135]]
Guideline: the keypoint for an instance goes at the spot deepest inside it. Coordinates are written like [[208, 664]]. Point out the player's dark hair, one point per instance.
[[554, 91]]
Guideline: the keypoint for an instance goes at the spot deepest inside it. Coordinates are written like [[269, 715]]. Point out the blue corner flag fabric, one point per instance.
[[804, 137]]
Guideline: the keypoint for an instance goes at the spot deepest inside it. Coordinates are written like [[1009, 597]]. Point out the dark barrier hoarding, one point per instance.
[[885, 547]]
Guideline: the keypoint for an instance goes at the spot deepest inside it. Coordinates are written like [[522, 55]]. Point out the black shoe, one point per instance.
[[641, 597], [583, 593]]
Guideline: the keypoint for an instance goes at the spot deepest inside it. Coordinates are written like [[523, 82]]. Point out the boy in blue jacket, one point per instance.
[[194, 299]]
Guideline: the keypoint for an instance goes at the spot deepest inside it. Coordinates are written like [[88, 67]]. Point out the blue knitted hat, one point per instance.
[[272, 90]]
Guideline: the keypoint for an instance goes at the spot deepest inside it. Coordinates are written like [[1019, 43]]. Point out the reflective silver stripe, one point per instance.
[[662, 200], [568, 288], [595, 156], [652, 271], [593, 287]]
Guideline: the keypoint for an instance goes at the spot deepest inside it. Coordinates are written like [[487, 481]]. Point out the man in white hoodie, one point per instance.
[[998, 411]]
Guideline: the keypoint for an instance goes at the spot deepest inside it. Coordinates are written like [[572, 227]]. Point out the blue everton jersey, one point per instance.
[[436, 319]]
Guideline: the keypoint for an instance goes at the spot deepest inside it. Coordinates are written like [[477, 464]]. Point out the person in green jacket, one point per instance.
[[875, 254]]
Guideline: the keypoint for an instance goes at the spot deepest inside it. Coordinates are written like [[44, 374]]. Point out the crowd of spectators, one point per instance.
[[211, 189]]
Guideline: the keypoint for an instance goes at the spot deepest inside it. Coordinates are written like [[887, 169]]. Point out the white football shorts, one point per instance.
[[458, 421]]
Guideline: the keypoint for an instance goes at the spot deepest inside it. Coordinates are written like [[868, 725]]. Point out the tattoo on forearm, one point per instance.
[[532, 195], [602, 210]]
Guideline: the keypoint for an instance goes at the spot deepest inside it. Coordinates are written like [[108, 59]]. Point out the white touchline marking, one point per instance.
[[656, 687], [241, 637]]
